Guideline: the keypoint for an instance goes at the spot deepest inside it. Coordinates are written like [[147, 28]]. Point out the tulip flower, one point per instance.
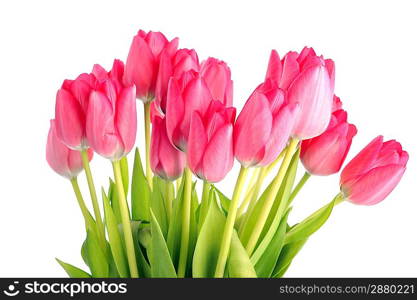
[[210, 143], [166, 161], [111, 115], [173, 66], [264, 126], [372, 174], [63, 160], [218, 78], [143, 62], [309, 81], [325, 154], [188, 94]]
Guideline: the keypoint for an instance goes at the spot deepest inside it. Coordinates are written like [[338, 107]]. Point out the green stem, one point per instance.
[[84, 210], [124, 211], [96, 208], [230, 222], [206, 191], [299, 186], [147, 119], [185, 232], [269, 201], [168, 199]]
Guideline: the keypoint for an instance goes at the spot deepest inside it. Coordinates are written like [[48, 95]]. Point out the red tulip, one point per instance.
[[166, 161], [218, 78], [210, 143], [308, 80], [142, 62], [63, 160], [372, 174], [185, 96], [325, 154], [264, 126], [111, 114], [173, 66]]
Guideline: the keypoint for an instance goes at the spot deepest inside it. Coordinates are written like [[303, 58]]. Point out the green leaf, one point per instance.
[[311, 224], [96, 258], [161, 263], [265, 263], [124, 166], [158, 204], [224, 201], [239, 264], [114, 201], [204, 207], [115, 240], [208, 242], [286, 256], [141, 191], [143, 265], [193, 230], [73, 271]]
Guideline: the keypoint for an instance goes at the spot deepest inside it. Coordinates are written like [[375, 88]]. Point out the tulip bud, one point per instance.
[[184, 96], [111, 115], [142, 62], [218, 78], [264, 126], [325, 154], [372, 174], [210, 143], [166, 161], [63, 160], [309, 81], [175, 65]]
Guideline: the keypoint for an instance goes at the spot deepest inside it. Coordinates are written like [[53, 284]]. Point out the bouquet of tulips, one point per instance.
[[178, 225]]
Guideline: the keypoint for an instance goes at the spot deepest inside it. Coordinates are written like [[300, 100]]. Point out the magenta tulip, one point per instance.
[[184, 96], [111, 114], [63, 160], [173, 66], [372, 174], [210, 143], [264, 126], [308, 80], [217, 75], [143, 62], [325, 154], [166, 161]]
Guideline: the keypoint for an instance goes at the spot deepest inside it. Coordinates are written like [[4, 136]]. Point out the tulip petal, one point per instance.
[[274, 71], [197, 142], [126, 118], [290, 70], [174, 113]]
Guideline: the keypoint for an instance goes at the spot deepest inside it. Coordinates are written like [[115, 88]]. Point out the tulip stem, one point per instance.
[[168, 199], [230, 222], [185, 231], [93, 194], [269, 201], [298, 187], [124, 211], [147, 119], [84, 210]]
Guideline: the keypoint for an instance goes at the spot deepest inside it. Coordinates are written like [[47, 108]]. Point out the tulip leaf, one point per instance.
[[193, 229], [124, 167], [114, 200], [203, 208], [239, 264], [224, 201], [115, 240], [97, 259], [161, 262], [286, 256], [265, 263], [140, 192], [143, 265], [73, 271], [158, 204]]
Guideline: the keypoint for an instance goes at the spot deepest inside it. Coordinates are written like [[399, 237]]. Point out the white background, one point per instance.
[[372, 42]]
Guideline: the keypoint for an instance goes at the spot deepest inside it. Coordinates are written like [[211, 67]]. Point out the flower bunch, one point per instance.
[[192, 129]]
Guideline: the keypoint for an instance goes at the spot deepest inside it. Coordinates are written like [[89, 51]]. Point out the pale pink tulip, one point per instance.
[[372, 174], [210, 143], [63, 160], [264, 126]]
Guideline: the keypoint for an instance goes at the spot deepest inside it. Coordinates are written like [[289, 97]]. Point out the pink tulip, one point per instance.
[[210, 143], [264, 125], [63, 160], [325, 154], [166, 161], [218, 78], [173, 66], [184, 96], [143, 62], [308, 80], [111, 114], [372, 174]]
